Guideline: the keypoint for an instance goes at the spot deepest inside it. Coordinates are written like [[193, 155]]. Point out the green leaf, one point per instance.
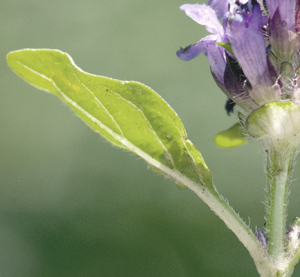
[[128, 114], [232, 137]]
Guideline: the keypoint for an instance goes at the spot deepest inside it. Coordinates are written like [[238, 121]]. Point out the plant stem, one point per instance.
[[232, 220], [279, 164]]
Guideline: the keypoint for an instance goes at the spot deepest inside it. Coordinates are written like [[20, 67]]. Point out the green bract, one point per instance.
[[128, 114], [227, 46], [232, 137], [277, 122]]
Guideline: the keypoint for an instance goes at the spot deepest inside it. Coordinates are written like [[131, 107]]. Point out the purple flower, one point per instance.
[[254, 54], [248, 45], [220, 7], [206, 16], [286, 9]]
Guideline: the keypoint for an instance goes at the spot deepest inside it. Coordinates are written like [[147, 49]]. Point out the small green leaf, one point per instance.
[[128, 114], [227, 46], [232, 137]]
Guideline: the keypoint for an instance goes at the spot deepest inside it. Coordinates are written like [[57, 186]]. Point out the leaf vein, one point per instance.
[[173, 173], [168, 154], [100, 103]]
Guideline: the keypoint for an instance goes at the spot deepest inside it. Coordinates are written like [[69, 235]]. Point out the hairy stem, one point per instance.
[[221, 208], [279, 164]]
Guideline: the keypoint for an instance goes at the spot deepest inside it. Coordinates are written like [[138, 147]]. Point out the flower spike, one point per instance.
[[254, 55]]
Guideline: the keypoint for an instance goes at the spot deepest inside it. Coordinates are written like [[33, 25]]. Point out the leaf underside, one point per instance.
[[128, 114]]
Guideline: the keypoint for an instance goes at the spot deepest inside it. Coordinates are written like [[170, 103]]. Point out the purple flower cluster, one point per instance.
[[254, 54]]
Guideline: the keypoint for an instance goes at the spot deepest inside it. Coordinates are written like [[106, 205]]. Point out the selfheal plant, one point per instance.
[[254, 59]]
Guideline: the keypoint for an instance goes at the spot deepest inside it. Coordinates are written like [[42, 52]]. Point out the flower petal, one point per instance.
[[286, 9], [285, 43], [217, 59], [190, 52], [215, 53], [204, 15], [220, 7], [248, 45]]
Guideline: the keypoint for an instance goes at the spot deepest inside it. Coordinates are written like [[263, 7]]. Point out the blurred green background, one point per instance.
[[71, 204]]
